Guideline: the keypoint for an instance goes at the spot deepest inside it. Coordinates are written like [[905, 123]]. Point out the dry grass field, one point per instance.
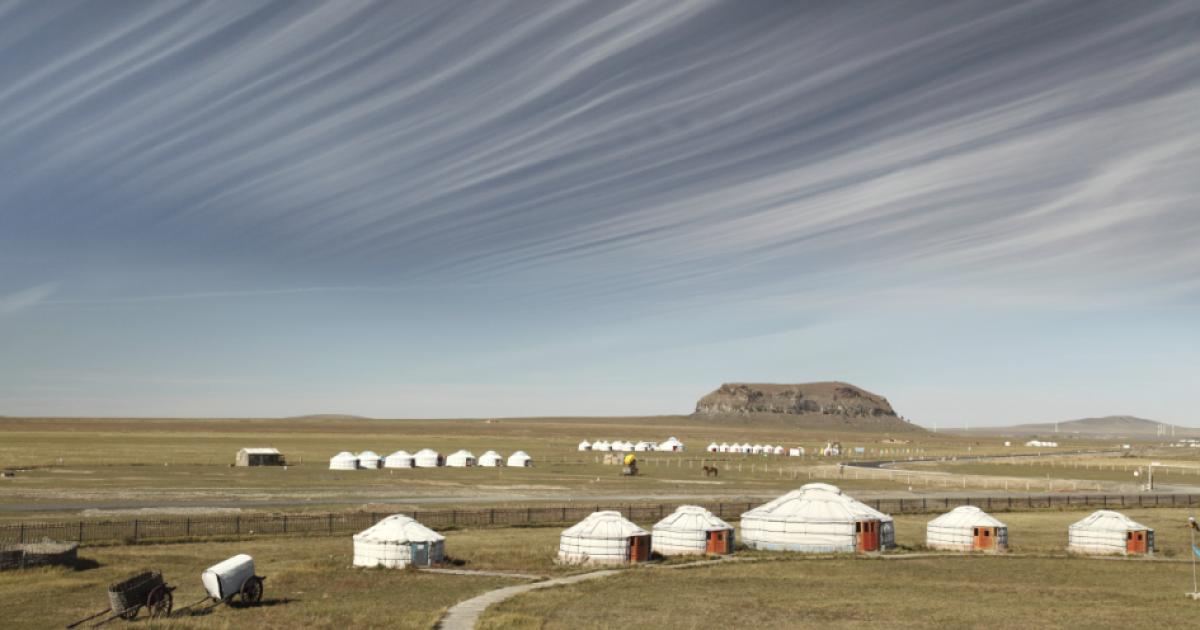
[[310, 583], [67, 465]]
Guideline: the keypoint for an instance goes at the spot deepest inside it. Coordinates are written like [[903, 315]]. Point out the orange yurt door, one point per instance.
[[868, 535], [639, 548], [718, 542], [984, 538], [1135, 542]]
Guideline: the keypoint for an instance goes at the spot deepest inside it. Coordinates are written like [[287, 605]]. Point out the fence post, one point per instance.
[[187, 531], [329, 518], [80, 531], [21, 538], [237, 524], [454, 517], [285, 523], [135, 531], [492, 516]]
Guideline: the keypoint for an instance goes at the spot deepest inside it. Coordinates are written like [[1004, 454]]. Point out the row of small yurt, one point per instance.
[[817, 518], [671, 444], [396, 542], [425, 458]]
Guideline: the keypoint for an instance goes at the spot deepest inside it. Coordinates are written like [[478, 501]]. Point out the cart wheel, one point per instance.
[[160, 602], [252, 590], [130, 613]]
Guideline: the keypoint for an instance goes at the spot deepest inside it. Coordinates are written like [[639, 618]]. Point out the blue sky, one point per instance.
[[987, 212]]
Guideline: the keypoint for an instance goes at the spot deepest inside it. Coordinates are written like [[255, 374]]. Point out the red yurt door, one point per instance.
[[983, 538], [718, 542], [1135, 542], [868, 535], [639, 548]]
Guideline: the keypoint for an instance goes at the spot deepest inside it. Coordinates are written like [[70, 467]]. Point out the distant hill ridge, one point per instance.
[[1106, 426], [815, 404]]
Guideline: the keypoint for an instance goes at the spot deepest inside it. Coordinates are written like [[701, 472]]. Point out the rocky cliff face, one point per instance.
[[834, 398]]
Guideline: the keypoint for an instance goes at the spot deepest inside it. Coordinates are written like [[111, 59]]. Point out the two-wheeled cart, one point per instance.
[[127, 598]]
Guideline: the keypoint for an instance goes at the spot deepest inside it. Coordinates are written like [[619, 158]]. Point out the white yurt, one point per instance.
[[604, 538], [585, 445], [460, 459], [713, 448], [399, 459], [671, 444], [779, 450], [520, 459], [369, 460], [817, 518], [746, 447], [427, 458], [343, 461], [643, 446], [723, 448], [967, 528], [490, 459], [601, 445], [796, 452], [691, 529], [756, 449], [396, 542], [1106, 531]]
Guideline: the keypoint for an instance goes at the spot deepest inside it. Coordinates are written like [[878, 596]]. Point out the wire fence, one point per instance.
[[133, 531]]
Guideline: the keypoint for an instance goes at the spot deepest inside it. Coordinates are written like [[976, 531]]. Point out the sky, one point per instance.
[[987, 212]]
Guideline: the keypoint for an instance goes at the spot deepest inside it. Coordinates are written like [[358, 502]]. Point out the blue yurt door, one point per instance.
[[420, 553]]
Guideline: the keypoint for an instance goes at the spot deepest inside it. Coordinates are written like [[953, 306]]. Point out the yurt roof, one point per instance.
[[966, 516], [260, 451], [1108, 520], [400, 455], [585, 443], [817, 503], [520, 453], [464, 452], [605, 524], [490, 454], [344, 455], [398, 528], [426, 451], [690, 518], [368, 454]]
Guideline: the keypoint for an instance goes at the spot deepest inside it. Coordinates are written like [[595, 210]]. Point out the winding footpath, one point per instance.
[[464, 615]]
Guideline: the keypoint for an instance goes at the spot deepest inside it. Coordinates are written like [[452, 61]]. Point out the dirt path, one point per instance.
[[465, 614]]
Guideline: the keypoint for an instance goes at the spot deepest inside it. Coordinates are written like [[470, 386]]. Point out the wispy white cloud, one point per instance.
[[26, 298]]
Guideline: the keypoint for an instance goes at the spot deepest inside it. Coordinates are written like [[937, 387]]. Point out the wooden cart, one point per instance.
[[127, 598]]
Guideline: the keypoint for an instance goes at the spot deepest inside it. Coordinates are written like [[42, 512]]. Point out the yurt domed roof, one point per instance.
[[344, 455], [490, 454], [1107, 520], [400, 455], [368, 455], [605, 524], [463, 452], [398, 529], [691, 518], [426, 452], [817, 503], [966, 516], [521, 453]]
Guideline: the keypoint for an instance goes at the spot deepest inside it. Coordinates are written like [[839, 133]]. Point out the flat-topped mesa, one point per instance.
[[831, 398]]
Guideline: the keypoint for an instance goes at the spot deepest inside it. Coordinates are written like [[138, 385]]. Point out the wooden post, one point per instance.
[[135, 531]]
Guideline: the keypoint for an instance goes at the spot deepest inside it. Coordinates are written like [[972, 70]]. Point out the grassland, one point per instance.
[[310, 583], [72, 464], [1035, 586]]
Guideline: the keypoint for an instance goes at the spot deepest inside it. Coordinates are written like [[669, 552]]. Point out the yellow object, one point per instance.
[[630, 460]]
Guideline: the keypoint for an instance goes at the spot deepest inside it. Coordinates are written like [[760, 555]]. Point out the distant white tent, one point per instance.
[[756, 449], [604, 538], [427, 458], [585, 445], [601, 445], [396, 542], [779, 450], [520, 459], [796, 452], [671, 444], [399, 459], [623, 446], [460, 459], [369, 460], [723, 448], [745, 447], [691, 529], [343, 461], [713, 448], [643, 446], [491, 459], [966, 528], [1109, 532], [817, 518]]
